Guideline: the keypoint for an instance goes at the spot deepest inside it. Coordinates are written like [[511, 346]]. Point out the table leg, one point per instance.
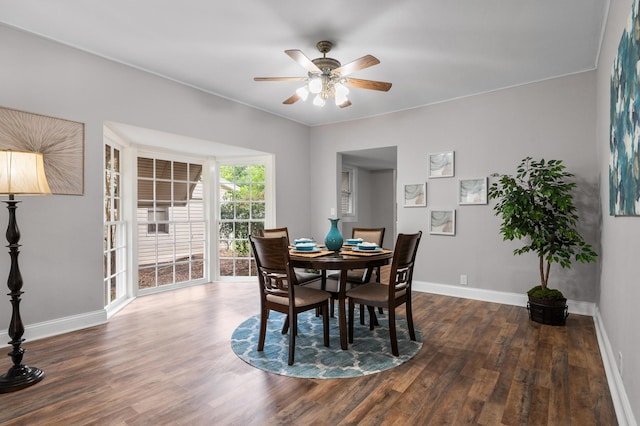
[[342, 311]]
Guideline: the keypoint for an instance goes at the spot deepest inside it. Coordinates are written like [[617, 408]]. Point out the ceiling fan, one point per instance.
[[327, 78]]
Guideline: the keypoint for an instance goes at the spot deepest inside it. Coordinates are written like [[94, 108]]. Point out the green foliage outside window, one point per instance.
[[242, 213]]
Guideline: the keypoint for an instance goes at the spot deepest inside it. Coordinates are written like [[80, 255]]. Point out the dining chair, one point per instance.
[[303, 276], [362, 276], [280, 292], [391, 294], [370, 235]]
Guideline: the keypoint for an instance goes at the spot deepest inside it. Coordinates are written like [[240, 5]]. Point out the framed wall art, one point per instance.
[[61, 143], [472, 191], [442, 222], [441, 164], [624, 179], [415, 195]]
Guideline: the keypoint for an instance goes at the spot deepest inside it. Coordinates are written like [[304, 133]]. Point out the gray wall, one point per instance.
[[383, 191], [61, 258], [620, 290], [489, 133]]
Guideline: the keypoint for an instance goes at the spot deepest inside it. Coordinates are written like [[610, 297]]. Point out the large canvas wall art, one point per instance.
[[61, 143], [624, 161]]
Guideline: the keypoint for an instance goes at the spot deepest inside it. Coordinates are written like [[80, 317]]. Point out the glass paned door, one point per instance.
[[171, 223], [241, 213], [114, 230]]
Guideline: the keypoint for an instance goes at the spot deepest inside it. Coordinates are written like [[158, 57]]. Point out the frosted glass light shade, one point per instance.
[[340, 101], [341, 91], [22, 173], [315, 85], [318, 101]]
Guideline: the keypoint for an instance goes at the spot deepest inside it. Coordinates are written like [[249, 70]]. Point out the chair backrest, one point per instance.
[[275, 233], [272, 262], [404, 257], [370, 235]]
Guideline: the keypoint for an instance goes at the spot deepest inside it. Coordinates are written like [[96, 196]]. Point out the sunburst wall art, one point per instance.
[[624, 161], [60, 141]]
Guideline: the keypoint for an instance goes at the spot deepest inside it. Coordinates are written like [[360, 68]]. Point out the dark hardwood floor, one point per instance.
[[166, 359]]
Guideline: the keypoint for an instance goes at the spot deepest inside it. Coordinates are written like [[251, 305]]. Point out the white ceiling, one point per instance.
[[431, 50]]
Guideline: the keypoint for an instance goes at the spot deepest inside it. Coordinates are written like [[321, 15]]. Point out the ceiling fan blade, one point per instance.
[[357, 65], [302, 60], [292, 99], [345, 104], [368, 84], [280, 78]]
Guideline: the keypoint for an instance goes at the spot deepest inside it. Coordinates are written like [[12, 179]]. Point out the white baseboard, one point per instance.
[[506, 298], [616, 386], [471, 293], [58, 326]]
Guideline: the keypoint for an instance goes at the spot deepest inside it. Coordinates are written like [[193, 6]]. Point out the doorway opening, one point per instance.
[[368, 190]]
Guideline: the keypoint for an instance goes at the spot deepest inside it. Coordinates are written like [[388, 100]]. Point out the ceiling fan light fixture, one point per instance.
[[340, 90], [303, 92], [315, 85], [327, 77], [340, 93]]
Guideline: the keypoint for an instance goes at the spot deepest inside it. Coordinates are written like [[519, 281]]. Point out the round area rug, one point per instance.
[[369, 353]]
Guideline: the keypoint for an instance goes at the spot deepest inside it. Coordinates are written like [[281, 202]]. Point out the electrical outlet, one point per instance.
[[620, 363], [463, 279]]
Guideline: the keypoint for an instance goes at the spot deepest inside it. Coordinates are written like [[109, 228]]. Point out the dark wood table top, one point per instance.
[[341, 260]]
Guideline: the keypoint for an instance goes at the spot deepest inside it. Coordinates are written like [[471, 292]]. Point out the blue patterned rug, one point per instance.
[[369, 353]]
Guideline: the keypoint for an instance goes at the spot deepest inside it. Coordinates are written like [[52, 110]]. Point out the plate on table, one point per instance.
[[307, 250], [367, 250]]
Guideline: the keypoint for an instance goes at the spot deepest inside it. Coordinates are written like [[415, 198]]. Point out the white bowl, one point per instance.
[[367, 246], [305, 246], [302, 240]]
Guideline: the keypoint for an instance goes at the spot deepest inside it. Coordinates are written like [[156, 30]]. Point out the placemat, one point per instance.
[[311, 254], [364, 253]]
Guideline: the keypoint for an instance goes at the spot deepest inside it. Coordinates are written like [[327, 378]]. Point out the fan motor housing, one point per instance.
[[326, 64]]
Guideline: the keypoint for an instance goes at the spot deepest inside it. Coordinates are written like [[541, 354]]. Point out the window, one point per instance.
[[348, 193], [158, 221], [171, 223], [242, 210]]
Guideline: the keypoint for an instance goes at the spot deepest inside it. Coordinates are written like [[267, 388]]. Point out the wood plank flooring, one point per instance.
[[166, 360]]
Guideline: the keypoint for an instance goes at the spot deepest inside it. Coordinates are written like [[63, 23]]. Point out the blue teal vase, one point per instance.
[[333, 240]]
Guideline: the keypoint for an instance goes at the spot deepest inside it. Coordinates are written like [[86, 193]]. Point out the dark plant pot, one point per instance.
[[550, 312]]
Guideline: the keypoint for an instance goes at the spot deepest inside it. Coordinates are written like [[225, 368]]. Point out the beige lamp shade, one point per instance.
[[22, 173]]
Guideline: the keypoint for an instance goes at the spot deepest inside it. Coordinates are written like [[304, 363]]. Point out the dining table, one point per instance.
[[342, 260]]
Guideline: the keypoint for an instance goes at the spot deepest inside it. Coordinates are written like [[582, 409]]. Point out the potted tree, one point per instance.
[[537, 205]]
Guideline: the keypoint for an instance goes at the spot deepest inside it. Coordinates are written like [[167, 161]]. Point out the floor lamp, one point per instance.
[[20, 173]]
